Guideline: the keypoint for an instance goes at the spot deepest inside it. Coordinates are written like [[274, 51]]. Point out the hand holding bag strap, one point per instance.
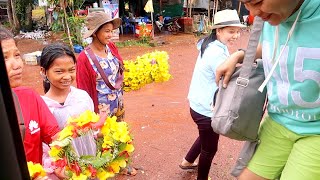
[[118, 84], [249, 57], [250, 54]]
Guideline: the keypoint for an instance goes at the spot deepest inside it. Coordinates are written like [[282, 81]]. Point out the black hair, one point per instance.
[[5, 34], [207, 40], [49, 54]]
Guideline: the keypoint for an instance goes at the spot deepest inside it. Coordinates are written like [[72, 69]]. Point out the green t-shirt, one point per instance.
[[294, 89]]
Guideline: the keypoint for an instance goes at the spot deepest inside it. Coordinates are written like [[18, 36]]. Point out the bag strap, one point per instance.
[[19, 115], [118, 84], [250, 54], [247, 66]]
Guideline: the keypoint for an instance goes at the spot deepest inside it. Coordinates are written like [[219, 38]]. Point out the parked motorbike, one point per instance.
[[168, 24]]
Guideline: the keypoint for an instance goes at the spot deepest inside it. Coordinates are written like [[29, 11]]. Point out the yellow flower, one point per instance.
[[107, 142], [116, 165], [148, 68], [121, 132], [102, 174], [35, 170], [80, 177], [54, 151], [105, 130], [111, 122], [129, 148], [67, 131], [85, 118]]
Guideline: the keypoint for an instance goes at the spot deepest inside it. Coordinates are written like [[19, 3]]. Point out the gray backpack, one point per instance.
[[239, 108]]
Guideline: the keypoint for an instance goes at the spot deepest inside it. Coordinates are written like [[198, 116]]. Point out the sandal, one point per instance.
[[193, 166], [129, 171], [187, 165]]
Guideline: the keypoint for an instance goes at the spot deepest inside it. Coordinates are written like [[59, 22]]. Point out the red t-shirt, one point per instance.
[[40, 124]]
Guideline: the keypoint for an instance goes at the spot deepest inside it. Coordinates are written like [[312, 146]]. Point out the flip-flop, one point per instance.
[[194, 166]]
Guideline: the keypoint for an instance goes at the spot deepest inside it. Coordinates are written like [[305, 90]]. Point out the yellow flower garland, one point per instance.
[[113, 148], [150, 67]]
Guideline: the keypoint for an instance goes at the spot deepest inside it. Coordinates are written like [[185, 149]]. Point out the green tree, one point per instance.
[[24, 13], [71, 24], [64, 4]]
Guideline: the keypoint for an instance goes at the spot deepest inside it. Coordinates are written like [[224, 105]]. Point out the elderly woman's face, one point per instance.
[[13, 60], [273, 11]]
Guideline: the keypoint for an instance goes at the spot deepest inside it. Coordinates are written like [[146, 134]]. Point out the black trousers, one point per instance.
[[206, 145]]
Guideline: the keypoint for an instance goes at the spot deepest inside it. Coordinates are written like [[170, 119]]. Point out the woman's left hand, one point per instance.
[[99, 124]]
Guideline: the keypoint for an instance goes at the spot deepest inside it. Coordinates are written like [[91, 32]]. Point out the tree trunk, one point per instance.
[[15, 21], [29, 17], [9, 11], [67, 28]]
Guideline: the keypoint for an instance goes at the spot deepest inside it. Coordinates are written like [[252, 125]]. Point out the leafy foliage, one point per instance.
[[129, 43]]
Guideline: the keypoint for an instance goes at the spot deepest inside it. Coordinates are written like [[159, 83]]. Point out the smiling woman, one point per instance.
[[273, 11], [64, 101], [213, 50], [289, 134], [58, 70]]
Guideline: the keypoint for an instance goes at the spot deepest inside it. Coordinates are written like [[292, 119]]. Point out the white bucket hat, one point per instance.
[[96, 19], [226, 18]]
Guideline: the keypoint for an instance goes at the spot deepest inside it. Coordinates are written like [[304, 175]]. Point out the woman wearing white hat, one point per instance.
[[213, 51]]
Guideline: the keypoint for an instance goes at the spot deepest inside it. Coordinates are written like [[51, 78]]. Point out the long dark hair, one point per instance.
[[49, 54], [207, 40]]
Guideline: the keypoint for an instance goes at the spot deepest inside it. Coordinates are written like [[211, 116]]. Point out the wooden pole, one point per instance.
[[190, 11], [160, 7], [217, 4], [213, 10], [187, 7], [239, 8], [152, 33], [209, 9]]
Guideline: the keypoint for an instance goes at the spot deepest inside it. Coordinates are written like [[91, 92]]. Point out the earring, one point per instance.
[[46, 80]]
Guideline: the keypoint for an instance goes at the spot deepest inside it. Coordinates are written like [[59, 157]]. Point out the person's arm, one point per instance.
[[226, 69], [83, 76], [88, 102], [86, 78], [82, 73]]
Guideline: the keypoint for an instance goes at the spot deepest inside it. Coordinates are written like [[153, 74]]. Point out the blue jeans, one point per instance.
[[206, 145]]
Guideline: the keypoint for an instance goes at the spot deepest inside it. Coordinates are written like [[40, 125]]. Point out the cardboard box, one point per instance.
[[30, 59]]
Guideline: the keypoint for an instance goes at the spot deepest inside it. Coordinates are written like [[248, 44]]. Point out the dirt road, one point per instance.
[[158, 114]]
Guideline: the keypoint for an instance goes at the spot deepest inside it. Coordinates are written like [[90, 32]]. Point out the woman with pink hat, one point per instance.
[[100, 68], [213, 51]]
